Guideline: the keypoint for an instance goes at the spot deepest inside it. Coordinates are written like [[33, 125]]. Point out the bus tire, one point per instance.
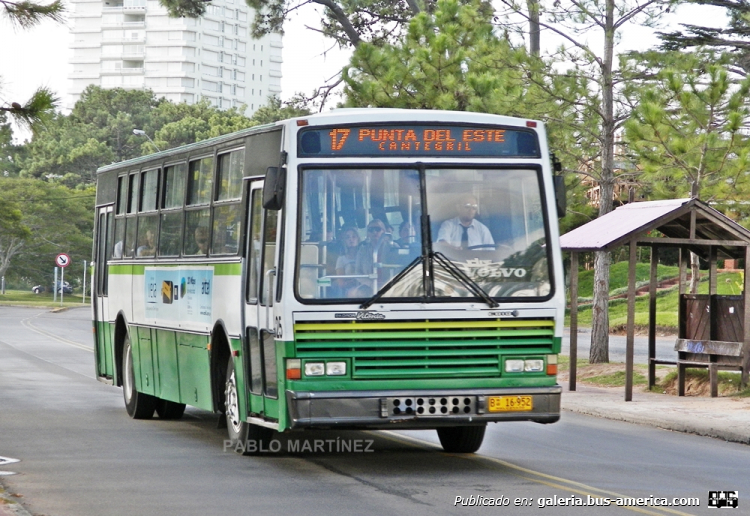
[[245, 438], [169, 409], [461, 439], [138, 404]]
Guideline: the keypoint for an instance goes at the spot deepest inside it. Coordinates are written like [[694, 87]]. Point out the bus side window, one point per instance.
[[170, 233]]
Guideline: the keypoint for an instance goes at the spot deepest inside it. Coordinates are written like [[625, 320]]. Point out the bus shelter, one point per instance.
[[689, 225]]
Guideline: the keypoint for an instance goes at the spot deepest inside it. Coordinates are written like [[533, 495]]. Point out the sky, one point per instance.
[[31, 58]]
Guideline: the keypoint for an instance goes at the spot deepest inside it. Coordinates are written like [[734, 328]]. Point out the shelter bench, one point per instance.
[[714, 355]]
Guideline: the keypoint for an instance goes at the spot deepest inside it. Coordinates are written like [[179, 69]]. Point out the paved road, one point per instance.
[[664, 346], [81, 455]]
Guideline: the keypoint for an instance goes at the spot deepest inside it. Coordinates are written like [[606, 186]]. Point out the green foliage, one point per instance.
[[616, 379], [349, 22], [27, 14], [25, 297], [8, 149], [448, 60], [667, 304], [686, 130], [184, 8], [731, 40], [53, 219], [618, 277], [275, 110], [99, 131], [181, 124]]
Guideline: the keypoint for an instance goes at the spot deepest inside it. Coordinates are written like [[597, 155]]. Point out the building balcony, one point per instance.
[[123, 71], [124, 25]]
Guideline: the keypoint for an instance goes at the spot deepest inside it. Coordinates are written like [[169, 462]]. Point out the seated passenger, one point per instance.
[[346, 262], [201, 239], [149, 245], [376, 249], [463, 231], [406, 235]]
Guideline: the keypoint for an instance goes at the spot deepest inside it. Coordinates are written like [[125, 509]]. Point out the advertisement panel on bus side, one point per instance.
[[179, 293]]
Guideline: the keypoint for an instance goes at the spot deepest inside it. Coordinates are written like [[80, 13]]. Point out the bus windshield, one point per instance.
[[360, 228]]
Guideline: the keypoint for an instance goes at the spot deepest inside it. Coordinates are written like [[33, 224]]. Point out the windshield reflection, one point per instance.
[[360, 228]]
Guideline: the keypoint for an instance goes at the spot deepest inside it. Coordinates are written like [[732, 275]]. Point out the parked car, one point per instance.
[[66, 288]]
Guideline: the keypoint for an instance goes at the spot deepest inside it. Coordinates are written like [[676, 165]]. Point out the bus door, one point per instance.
[[103, 330], [259, 322]]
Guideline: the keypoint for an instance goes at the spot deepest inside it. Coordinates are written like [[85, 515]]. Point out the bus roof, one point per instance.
[[363, 115]]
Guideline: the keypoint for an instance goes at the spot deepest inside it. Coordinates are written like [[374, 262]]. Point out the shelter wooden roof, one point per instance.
[[687, 223]]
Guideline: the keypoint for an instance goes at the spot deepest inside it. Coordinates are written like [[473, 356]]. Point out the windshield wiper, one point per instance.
[[461, 276], [391, 282], [446, 264]]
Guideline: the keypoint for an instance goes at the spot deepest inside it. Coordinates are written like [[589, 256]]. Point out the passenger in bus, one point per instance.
[[463, 231], [201, 239], [149, 245], [377, 248], [405, 234], [346, 263]]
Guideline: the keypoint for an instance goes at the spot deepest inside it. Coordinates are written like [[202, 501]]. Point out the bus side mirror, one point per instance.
[[273, 188], [560, 200]]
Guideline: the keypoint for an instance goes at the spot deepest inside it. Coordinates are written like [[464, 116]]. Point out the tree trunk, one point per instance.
[[695, 273], [599, 352], [534, 32], [600, 325]]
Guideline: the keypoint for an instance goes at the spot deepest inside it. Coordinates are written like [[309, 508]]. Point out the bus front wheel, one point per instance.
[[138, 404], [461, 439], [245, 438]]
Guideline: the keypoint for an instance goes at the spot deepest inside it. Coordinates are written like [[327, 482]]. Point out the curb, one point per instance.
[[9, 505], [664, 422]]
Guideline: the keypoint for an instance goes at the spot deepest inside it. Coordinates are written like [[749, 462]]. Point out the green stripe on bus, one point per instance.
[[384, 335], [319, 354], [127, 269], [354, 325], [466, 346], [220, 269]]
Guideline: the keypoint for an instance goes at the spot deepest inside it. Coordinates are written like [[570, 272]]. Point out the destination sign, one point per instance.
[[418, 140]]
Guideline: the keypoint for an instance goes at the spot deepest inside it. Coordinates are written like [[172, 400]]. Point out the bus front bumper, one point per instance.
[[422, 409]]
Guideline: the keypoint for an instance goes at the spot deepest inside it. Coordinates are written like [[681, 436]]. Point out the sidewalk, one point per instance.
[[723, 417], [9, 505]]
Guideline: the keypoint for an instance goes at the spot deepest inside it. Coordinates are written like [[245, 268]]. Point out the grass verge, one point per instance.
[[613, 375], [23, 298]]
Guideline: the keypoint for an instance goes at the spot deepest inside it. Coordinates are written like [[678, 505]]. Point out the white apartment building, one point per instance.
[[135, 44]]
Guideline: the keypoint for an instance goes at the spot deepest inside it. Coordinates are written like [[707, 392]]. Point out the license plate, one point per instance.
[[510, 403]]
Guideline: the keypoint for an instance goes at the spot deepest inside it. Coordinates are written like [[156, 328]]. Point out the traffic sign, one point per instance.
[[62, 260]]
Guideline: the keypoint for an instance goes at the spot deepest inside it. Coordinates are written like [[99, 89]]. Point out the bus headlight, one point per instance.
[[335, 368], [533, 366], [513, 366], [315, 369]]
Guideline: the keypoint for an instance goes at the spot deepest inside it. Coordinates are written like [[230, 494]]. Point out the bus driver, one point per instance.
[[463, 231]]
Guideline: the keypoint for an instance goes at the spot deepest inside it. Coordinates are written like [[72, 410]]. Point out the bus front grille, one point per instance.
[[423, 348]]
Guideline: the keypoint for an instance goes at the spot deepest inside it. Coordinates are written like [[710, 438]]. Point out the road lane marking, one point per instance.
[[8, 460], [550, 480], [26, 323]]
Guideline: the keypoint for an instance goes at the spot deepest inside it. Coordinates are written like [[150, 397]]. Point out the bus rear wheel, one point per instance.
[[169, 409], [138, 404], [461, 439], [245, 438]]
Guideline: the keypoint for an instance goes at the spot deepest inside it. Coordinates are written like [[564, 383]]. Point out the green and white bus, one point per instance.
[[357, 269]]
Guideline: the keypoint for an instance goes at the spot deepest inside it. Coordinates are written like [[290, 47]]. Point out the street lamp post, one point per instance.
[[141, 132]]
